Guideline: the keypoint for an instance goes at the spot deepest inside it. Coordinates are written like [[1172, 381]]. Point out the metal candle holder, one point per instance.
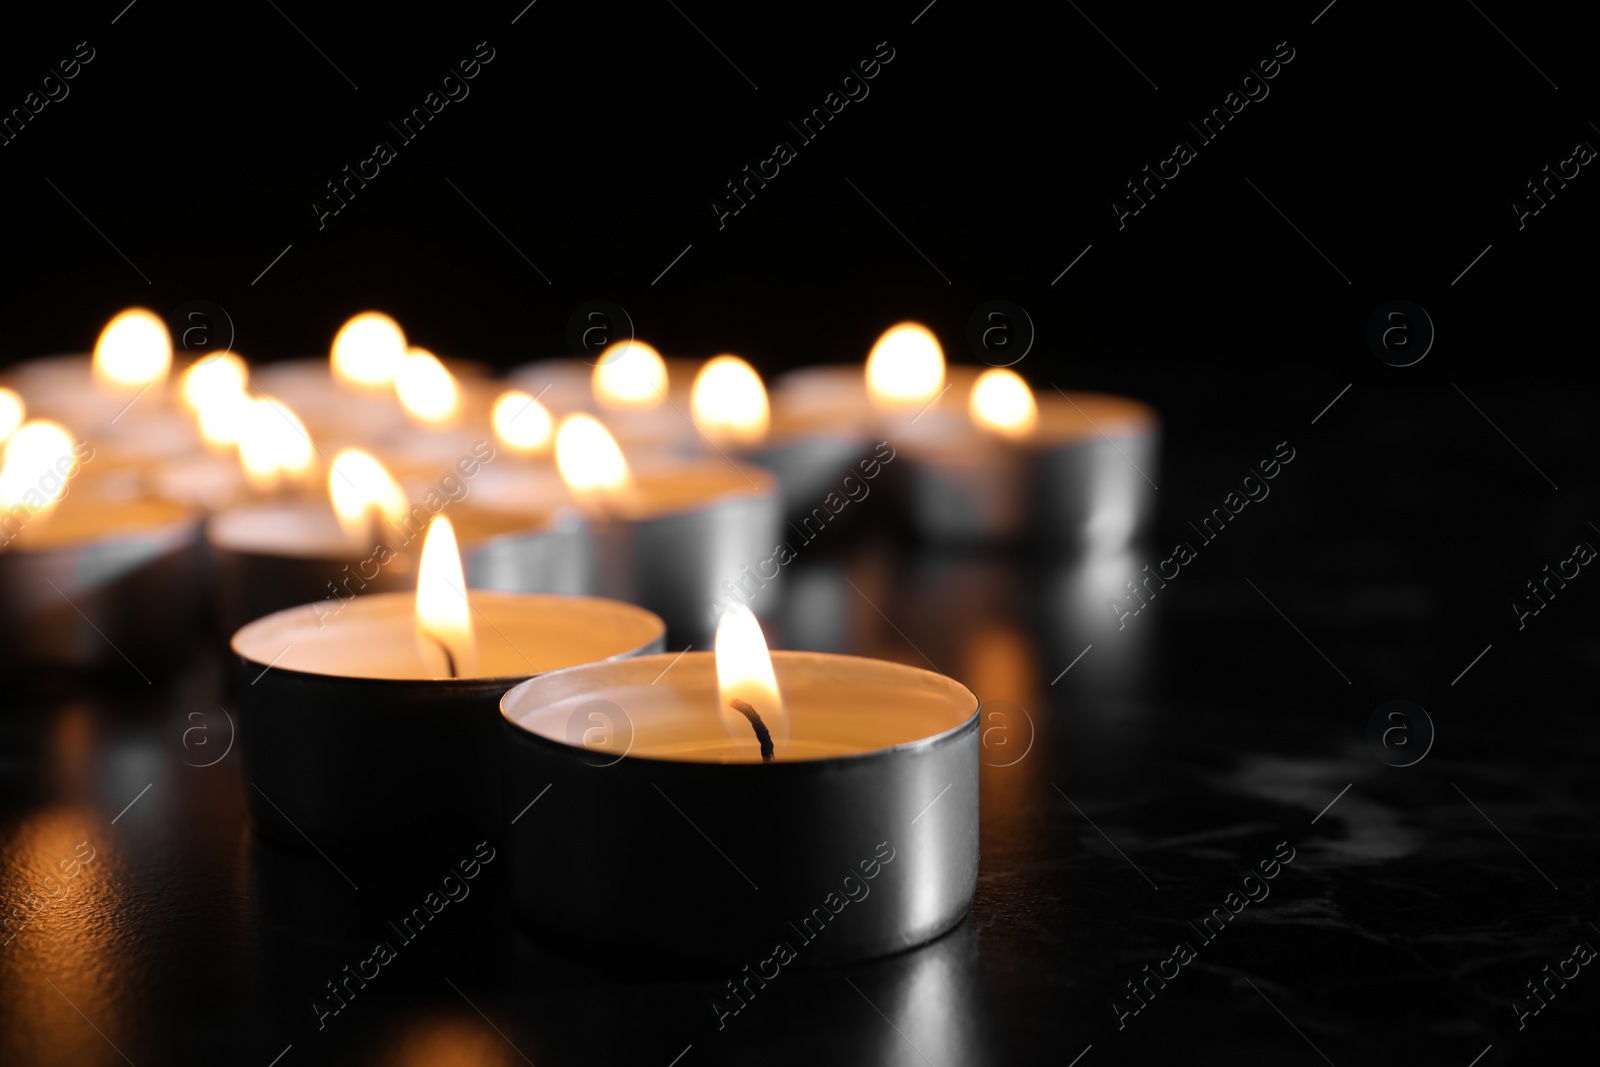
[[624, 836], [131, 596], [385, 766], [1071, 486]]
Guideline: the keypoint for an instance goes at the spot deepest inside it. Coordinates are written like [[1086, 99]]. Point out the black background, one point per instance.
[[198, 139]]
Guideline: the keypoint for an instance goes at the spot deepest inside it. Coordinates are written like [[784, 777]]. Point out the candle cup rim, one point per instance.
[[561, 520], [188, 520], [763, 486], [484, 682], [813, 764]]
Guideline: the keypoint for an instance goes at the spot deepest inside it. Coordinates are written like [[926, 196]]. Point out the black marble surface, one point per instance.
[[1132, 779]]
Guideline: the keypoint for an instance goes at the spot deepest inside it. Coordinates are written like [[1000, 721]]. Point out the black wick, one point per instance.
[[762, 734], [449, 660]]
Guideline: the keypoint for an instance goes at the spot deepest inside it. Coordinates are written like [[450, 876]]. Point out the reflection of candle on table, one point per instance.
[[868, 759], [356, 732]]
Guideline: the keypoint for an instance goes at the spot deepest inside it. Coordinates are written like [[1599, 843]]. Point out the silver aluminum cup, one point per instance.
[[1086, 496], [810, 467], [130, 597], [559, 559], [621, 860], [681, 566], [378, 768], [251, 585]]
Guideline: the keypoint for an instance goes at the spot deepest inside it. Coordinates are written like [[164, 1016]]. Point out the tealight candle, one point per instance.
[[989, 461], [119, 391], [364, 536], [671, 534], [641, 398], [351, 393], [90, 577], [805, 446], [818, 780], [374, 730], [1068, 470]]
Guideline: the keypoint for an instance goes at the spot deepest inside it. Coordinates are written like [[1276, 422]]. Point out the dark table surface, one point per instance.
[[1132, 778]]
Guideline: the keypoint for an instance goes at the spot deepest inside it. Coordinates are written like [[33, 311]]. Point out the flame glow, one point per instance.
[[630, 374], [361, 491], [744, 672], [588, 457], [427, 390], [211, 378], [215, 391], [39, 458], [134, 350], [1001, 401], [12, 412], [905, 367], [443, 616], [367, 350], [522, 424], [729, 403], [273, 445]]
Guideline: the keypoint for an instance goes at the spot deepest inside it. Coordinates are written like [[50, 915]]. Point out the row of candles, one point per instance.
[[430, 612]]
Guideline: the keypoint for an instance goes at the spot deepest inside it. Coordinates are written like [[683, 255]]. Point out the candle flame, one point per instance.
[[588, 457], [39, 458], [905, 367], [367, 350], [273, 445], [133, 351], [1002, 402], [362, 490], [12, 413], [522, 424], [444, 619], [630, 374], [214, 389], [427, 390], [744, 673], [729, 403]]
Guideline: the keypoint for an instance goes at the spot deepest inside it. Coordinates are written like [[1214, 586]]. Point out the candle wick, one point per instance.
[[449, 660], [763, 735]]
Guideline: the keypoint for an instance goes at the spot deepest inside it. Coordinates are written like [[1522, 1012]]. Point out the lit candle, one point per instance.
[[118, 394], [816, 777], [364, 535], [642, 398], [808, 448], [350, 394], [989, 460], [1063, 469], [375, 730], [672, 534], [88, 576], [898, 390], [215, 393]]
